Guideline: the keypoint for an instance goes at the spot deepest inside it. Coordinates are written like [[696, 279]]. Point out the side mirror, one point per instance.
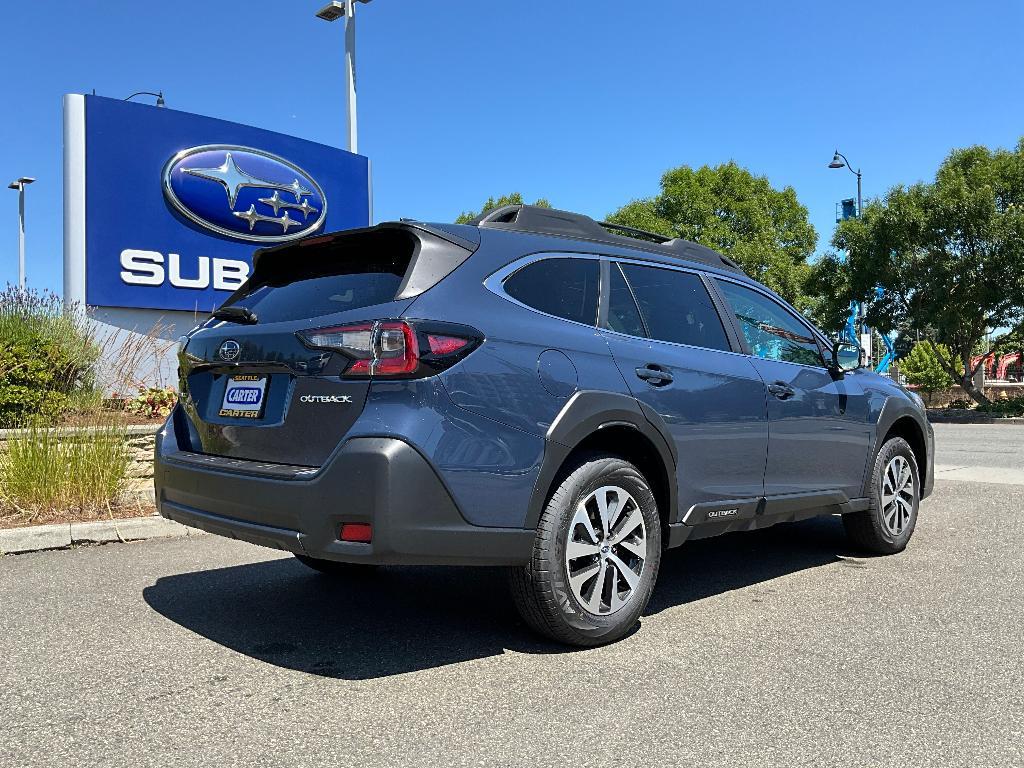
[[846, 357]]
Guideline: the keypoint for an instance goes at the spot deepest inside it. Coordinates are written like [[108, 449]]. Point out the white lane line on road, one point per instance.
[[998, 475]]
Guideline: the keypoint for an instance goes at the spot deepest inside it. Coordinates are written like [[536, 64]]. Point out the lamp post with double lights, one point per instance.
[[333, 11], [20, 185]]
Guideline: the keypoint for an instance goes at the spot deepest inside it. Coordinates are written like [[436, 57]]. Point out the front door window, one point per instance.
[[771, 331]]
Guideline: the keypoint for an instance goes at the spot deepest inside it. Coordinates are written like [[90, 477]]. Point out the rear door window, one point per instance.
[[676, 307], [566, 288], [623, 315]]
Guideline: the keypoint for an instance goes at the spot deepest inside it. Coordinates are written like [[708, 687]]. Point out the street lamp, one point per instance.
[[159, 96], [20, 185], [333, 11], [839, 161]]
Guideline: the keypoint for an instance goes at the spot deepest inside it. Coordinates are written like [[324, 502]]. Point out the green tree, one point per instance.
[[514, 199], [926, 367], [1009, 341], [737, 213], [948, 256]]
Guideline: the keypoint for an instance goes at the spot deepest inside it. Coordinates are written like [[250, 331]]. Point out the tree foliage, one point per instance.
[[1010, 341], [949, 256], [513, 199], [741, 215], [926, 367]]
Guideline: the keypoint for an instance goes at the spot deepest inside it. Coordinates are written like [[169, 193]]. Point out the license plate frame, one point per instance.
[[239, 402]]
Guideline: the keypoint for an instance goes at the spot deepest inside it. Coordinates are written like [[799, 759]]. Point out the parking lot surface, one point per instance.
[[775, 648]]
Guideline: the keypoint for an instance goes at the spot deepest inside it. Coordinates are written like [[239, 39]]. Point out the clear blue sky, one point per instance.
[[583, 102]]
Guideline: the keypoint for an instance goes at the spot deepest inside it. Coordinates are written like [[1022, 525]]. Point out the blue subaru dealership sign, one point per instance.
[[164, 209]]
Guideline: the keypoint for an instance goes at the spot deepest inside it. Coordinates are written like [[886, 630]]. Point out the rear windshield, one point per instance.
[[309, 281]]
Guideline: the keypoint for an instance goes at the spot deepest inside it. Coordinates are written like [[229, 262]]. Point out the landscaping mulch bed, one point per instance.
[[969, 416], [12, 518]]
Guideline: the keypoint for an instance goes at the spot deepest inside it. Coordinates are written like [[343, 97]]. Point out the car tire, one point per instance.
[[334, 568], [576, 552], [887, 524]]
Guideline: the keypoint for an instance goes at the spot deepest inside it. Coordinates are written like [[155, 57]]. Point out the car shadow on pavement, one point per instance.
[[709, 567], [403, 619]]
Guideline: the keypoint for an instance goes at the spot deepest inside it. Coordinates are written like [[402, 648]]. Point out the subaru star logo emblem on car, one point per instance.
[[244, 193], [229, 350]]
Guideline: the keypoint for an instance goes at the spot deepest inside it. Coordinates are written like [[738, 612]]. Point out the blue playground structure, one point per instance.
[[850, 333]]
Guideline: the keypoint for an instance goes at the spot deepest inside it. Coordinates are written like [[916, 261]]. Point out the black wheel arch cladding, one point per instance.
[[582, 423]]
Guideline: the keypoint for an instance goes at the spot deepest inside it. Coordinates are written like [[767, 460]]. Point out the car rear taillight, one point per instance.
[[396, 348]]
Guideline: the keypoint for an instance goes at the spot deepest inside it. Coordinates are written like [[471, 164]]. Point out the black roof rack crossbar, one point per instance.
[[550, 221]]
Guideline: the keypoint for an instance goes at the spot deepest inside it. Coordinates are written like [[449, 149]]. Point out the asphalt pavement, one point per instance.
[[780, 647]]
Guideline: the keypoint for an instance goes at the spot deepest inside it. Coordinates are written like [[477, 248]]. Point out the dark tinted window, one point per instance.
[[771, 330], [561, 287], [309, 281], [623, 315], [676, 307]]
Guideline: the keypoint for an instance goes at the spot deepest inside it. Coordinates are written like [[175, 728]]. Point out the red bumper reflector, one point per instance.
[[358, 532]]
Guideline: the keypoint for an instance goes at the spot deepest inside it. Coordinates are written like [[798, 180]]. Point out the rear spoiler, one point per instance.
[[437, 251], [467, 238]]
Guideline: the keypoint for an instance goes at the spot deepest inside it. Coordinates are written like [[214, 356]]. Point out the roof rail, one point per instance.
[[551, 221], [639, 234]]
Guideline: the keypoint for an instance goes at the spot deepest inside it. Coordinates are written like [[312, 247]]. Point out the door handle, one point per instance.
[[781, 390], [654, 375]]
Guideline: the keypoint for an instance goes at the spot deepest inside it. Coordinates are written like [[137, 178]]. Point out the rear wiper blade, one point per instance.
[[237, 315]]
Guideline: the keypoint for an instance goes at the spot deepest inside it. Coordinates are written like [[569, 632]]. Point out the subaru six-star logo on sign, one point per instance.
[[244, 193]]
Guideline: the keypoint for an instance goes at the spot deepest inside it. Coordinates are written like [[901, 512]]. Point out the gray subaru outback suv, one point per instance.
[[535, 390]]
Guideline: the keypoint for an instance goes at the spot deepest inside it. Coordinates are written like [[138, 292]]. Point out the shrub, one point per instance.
[[1010, 406], [924, 369], [153, 401], [48, 470], [961, 402], [47, 357]]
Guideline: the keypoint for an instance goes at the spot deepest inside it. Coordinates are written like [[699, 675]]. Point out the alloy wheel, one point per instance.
[[606, 550], [897, 495]]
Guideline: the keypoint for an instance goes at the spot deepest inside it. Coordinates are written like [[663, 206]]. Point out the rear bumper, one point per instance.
[[378, 480]]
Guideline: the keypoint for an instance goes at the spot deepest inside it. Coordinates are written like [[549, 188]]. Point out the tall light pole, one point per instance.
[[839, 161], [333, 11], [20, 185]]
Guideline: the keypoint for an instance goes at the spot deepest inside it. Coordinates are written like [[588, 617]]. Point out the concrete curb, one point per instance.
[[130, 430], [967, 416], [35, 538]]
